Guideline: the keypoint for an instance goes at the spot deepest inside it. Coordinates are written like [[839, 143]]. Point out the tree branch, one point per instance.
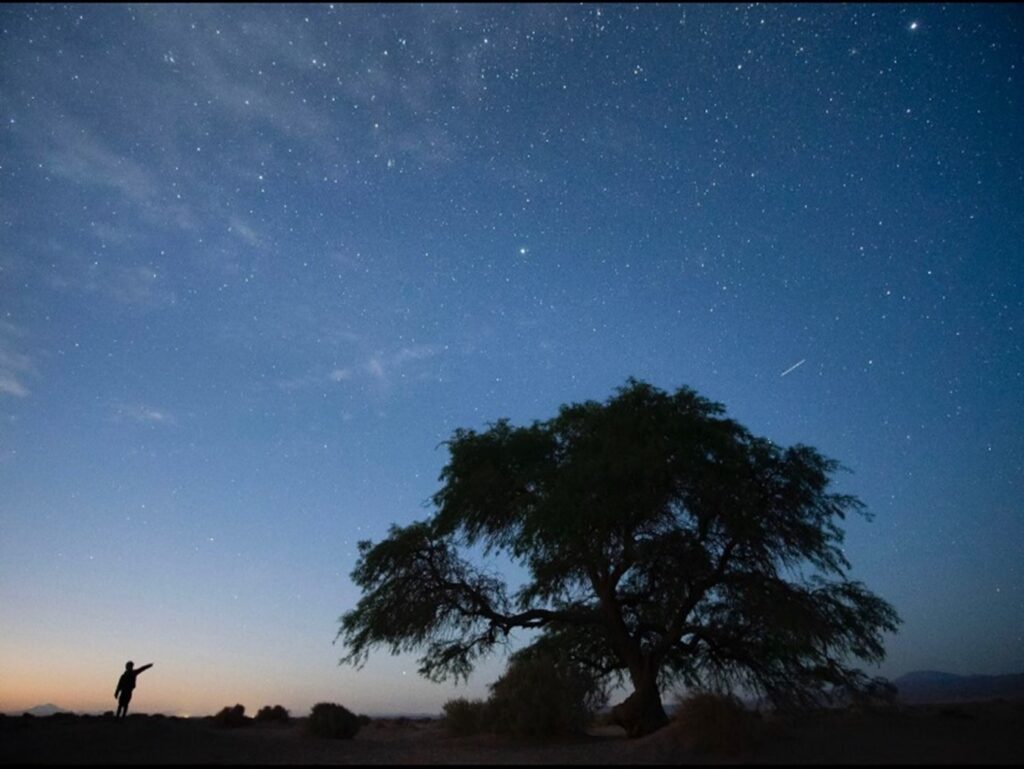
[[675, 630]]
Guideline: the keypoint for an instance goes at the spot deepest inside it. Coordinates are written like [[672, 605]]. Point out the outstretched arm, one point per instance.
[[144, 667]]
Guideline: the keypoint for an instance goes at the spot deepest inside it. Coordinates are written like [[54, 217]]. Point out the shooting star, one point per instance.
[[794, 366]]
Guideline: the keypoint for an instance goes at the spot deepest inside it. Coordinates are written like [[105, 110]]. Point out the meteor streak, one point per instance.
[[795, 365]]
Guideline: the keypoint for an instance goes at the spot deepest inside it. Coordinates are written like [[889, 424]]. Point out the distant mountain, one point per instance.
[[924, 686], [46, 710]]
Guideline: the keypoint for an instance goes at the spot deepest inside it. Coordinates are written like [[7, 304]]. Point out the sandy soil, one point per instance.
[[977, 733]]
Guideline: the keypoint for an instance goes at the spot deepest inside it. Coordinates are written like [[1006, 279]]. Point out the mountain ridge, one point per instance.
[[924, 686]]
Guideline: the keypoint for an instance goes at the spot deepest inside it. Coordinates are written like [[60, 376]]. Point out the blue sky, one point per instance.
[[257, 263]]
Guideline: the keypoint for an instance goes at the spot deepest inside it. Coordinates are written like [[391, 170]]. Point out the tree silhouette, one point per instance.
[[665, 544]]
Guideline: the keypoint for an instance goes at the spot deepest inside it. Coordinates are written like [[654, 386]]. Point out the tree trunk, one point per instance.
[[641, 712]]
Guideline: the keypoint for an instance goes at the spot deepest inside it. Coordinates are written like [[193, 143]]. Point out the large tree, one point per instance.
[[664, 544]]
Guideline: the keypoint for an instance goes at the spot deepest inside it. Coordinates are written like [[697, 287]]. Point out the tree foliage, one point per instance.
[[664, 542]]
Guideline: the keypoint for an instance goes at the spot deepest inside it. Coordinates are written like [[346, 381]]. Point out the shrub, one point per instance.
[[275, 714], [328, 719], [464, 717], [231, 717], [364, 720], [716, 723], [955, 711], [541, 695]]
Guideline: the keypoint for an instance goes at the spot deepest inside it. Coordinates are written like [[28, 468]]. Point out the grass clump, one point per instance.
[[716, 724], [328, 719]]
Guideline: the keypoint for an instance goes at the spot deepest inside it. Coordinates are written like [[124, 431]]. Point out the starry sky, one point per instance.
[[257, 263]]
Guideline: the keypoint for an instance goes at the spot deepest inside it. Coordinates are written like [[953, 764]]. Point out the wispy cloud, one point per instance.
[[340, 375], [139, 285], [143, 414], [375, 368], [15, 365], [240, 229], [9, 385], [379, 369], [79, 155], [386, 103], [383, 368]]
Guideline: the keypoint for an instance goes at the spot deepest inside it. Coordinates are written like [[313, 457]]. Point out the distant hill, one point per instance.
[[46, 710], [923, 686]]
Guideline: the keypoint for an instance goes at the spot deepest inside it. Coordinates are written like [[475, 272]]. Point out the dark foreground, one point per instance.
[[970, 733]]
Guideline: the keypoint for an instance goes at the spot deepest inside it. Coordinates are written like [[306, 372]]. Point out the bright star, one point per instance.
[[913, 25]]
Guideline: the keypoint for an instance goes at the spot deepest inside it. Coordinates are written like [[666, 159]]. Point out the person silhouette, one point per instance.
[[125, 686]]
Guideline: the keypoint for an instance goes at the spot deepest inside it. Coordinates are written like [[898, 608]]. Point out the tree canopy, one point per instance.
[[665, 544]]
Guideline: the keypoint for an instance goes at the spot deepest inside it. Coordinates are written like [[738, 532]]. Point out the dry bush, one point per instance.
[[956, 711], [464, 717], [717, 724], [328, 719], [538, 696], [275, 714], [231, 717], [603, 718]]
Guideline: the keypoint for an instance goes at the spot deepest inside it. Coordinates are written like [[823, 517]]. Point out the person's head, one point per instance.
[[129, 665]]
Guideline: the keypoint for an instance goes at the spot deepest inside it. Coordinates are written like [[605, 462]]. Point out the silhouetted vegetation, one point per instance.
[[951, 733], [463, 717], [955, 711], [328, 719], [231, 717], [272, 714], [665, 544], [717, 724], [538, 696]]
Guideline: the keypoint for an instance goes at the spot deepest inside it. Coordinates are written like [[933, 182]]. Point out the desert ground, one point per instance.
[[991, 732]]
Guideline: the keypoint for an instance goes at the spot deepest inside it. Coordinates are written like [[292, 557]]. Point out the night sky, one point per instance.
[[257, 263]]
